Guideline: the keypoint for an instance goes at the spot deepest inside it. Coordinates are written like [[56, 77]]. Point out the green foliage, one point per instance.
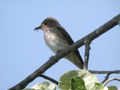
[[74, 80], [112, 88], [77, 83], [77, 80], [98, 86], [43, 86]]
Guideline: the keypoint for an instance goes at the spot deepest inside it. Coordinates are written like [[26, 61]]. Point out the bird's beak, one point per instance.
[[38, 28]]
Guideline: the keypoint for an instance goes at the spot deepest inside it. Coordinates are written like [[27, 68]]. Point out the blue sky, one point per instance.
[[22, 50]]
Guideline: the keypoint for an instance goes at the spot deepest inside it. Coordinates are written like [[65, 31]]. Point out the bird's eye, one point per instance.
[[45, 23]]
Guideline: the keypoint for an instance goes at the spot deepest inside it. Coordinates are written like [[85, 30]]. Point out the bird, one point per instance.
[[57, 39]]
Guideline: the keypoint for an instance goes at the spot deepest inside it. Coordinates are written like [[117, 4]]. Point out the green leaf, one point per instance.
[[98, 86], [112, 88], [77, 83], [88, 78], [43, 86]]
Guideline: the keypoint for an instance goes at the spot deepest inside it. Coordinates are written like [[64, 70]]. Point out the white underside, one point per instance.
[[54, 42]]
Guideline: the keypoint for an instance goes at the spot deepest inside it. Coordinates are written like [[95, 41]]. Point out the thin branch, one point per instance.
[[104, 72], [50, 79], [87, 49], [107, 77], [21, 85], [54, 59], [112, 79]]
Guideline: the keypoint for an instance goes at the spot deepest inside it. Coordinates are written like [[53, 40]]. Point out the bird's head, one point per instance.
[[48, 23]]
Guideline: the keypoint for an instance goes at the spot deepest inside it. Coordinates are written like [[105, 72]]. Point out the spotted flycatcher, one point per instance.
[[58, 39]]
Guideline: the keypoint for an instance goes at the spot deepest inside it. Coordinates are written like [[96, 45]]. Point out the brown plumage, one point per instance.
[[58, 39]]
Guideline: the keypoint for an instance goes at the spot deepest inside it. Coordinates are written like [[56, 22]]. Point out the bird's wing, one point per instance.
[[65, 35], [69, 40]]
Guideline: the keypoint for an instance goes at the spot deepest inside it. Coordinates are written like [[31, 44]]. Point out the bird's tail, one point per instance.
[[75, 58]]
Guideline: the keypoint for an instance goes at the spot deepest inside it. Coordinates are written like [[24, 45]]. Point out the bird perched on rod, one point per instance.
[[58, 39]]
